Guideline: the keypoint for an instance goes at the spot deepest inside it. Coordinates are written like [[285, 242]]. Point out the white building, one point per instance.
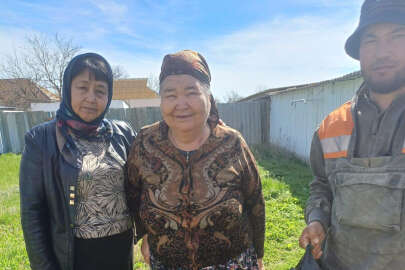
[[296, 111]]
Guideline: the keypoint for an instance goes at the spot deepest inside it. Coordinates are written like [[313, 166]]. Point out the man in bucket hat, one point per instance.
[[356, 209]]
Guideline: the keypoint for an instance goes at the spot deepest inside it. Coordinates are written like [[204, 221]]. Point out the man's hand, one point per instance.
[[313, 234], [260, 264], [145, 249]]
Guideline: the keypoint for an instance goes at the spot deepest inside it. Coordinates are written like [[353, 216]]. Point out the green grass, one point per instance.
[[285, 189], [12, 250]]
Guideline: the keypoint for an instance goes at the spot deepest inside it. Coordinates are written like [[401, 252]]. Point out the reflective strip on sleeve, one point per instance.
[[341, 154], [337, 123], [335, 147], [335, 132]]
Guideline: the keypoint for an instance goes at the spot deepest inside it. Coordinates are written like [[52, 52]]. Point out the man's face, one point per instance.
[[382, 57]]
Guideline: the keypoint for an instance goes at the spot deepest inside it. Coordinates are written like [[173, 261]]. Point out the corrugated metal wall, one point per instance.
[[296, 114], [250, 118], [14, 125], [245, 117]]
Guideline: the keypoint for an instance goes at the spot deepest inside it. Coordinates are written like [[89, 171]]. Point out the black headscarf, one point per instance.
[[65, 115]]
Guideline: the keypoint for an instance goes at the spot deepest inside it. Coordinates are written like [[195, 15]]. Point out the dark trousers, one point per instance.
[[107, 253]]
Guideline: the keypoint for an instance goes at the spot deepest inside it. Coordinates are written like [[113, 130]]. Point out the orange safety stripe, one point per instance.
[[338, 123], [333, 130], [340, 154]]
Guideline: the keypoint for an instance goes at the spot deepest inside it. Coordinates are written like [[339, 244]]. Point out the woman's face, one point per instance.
[[89, 97], [185, 104]]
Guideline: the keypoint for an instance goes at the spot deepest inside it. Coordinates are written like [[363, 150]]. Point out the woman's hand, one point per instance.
[[145, 249], [260, 264]]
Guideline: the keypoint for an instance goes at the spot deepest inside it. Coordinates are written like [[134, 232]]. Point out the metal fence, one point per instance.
[[14, 125], [250, 118]]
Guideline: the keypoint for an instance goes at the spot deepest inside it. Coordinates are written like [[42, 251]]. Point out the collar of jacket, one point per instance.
[[69, 153]]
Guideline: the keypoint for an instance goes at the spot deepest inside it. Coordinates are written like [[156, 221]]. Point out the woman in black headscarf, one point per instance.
[[73, 207]]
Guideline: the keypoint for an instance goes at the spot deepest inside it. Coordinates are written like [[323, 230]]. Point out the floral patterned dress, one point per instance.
[[246, 261]]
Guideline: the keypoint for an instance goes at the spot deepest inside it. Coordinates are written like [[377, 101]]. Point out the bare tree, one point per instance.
[[232, 96], [42, 61], [119, 72], [153, 83]]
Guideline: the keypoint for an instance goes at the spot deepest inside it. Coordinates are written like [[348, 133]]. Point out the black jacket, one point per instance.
[[48, 174]]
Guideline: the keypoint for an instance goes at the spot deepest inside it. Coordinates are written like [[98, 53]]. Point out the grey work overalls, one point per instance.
[[368, 215]]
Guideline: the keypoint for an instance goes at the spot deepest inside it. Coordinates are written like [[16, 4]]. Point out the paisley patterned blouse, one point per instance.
[[198, 211]]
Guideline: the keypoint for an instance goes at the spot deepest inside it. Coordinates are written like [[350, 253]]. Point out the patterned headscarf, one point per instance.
[[190, 63], [186, 62]]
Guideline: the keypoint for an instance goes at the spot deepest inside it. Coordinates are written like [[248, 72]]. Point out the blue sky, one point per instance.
[[249, 45]]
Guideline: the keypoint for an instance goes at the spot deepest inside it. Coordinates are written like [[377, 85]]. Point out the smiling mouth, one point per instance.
[[183, 116]]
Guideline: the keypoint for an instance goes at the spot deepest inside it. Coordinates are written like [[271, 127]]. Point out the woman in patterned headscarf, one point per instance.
[[194, 189], [73, 207]]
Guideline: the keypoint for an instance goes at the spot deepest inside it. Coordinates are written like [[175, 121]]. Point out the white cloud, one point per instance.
[[12, 39], [113, 10], [281, 52], [115, 14], [353, 4], [137, 65]]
